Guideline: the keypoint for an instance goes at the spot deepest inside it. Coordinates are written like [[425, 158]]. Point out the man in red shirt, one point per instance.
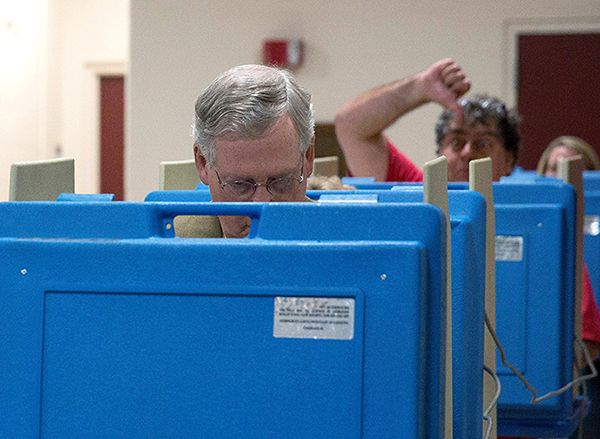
[[468, 129]]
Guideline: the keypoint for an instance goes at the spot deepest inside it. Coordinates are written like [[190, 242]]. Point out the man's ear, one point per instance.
[[201, 166], [309, 159]]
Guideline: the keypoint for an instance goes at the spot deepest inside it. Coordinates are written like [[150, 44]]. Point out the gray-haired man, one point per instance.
[[254, 139]]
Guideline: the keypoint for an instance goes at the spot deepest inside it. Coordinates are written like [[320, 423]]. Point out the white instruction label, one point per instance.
[[591, 225], [313, 317], [509, 248]]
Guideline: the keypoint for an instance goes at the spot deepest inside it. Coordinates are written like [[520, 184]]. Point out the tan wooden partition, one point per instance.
[[435, 191], [326, 166], [570, 169], [480, 180], [178, 175], [41, 180]]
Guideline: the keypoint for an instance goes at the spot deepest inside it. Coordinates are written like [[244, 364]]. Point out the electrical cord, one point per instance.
[[535, 399], [493, 402]]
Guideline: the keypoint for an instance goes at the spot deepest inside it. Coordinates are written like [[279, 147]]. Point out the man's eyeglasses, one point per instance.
[[276, 186]]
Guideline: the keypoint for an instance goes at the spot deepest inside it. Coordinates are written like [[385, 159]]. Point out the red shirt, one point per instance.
[[401, 168], [589, 309]]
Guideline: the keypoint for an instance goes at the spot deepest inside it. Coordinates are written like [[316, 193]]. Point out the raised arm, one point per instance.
[[360, 123]]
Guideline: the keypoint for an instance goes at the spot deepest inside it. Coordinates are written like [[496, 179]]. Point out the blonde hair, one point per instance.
[[320, 182], [590, 158]]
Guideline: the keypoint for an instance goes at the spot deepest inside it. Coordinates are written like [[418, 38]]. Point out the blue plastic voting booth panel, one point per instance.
[[535, 305], [467, 213], [100, 220], [467, 217], [91, 198], [519, 172], [592, 238], [179, 195], [369, 183], [591, 181], [262, 337], [537, 334]]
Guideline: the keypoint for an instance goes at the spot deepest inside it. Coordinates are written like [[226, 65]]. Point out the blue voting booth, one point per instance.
[[535, 254], [467, 218], [326, 322], [535, 223], [591, 180]]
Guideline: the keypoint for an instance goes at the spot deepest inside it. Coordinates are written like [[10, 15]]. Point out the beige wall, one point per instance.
[[22, 94], [56, 49], [178, 47], [92, 40], [48, 78]]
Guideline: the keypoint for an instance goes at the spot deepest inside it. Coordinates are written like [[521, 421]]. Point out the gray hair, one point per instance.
[[485, 109], [245, 102]]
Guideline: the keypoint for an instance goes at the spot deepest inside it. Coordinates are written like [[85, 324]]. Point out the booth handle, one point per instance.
[[165, 213]]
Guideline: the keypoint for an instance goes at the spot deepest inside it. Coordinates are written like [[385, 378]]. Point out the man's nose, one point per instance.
[[262, 194], [467, 152]]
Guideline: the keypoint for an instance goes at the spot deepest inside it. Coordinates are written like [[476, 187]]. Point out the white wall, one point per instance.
[[178, 47], [92, 39], [22, 65], [50, 58], [55, 49]]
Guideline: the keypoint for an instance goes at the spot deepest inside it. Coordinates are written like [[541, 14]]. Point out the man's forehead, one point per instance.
[[489, 127], [271, 155]]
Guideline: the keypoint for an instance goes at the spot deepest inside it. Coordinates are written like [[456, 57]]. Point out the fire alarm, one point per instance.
[[283, 53]]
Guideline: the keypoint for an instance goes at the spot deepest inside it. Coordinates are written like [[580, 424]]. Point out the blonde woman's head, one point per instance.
[[563, 147]]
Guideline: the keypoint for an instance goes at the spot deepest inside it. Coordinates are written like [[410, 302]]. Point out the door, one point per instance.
[[558, 90], [112, 138]]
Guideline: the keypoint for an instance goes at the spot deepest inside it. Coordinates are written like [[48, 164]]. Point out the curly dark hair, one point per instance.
[[485, 109]]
